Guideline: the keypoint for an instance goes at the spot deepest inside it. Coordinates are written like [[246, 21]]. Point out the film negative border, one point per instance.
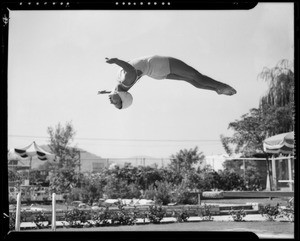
[[128, 5]]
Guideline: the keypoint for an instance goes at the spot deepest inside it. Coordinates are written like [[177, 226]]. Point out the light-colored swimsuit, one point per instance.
[[154, 66]]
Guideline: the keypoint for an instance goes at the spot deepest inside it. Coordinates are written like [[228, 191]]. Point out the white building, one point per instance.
[[215, 161]]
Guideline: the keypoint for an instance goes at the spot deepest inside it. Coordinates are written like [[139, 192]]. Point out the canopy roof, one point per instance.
[[33, 150], [281, 143]]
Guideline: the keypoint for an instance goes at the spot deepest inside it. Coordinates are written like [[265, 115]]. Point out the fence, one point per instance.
[[274, 179]]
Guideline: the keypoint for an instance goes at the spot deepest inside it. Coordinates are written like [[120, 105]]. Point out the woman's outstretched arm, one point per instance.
[[126, 66], [130, 74]]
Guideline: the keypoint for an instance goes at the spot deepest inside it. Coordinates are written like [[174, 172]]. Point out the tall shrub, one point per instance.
[[160, 192]]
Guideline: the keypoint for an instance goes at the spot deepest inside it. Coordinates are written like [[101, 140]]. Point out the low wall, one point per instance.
[[245, 194], [259, 194]]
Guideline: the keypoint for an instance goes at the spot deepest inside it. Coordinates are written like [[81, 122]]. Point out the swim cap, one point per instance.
[[126, 98]]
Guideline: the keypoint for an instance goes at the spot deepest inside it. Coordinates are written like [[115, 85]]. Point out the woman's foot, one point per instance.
[[226, 90]]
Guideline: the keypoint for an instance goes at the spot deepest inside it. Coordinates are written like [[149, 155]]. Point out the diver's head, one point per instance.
[[121, 99]]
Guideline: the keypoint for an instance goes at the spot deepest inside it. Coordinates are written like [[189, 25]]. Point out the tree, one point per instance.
[[60, 140], [183, 161], [278, 103], [37, 177], [148, 176], [48, 166], [14, 177], [274, 115], [64, 175], [126, 173], [281, 84], [118, 188], [63, 180], [170, 176], [249, 134]]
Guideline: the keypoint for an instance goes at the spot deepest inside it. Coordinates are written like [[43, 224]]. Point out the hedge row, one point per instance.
[[120, 215]]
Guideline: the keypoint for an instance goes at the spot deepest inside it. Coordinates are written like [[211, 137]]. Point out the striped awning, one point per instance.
[[34, 150], [281, 143]]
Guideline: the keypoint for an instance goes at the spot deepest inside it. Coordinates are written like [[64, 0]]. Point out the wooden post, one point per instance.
[[268, 184], [199, 198], [290, 173], [53, 211], [244, 167], [274, 176], [18, 212]]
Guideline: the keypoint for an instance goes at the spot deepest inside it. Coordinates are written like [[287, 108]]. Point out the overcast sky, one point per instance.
[[57, 64]]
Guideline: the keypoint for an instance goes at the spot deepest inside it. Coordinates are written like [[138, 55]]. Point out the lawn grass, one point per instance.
[[261, 229], [267, 226]]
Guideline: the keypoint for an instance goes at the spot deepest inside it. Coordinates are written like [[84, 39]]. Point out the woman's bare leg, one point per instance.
[[191, 81], [181, 71]]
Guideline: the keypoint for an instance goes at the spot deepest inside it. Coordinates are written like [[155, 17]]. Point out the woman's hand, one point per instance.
[[111, 60], [103, 92]]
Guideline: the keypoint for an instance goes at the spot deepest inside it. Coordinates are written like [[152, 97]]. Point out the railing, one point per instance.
[[18, 213]]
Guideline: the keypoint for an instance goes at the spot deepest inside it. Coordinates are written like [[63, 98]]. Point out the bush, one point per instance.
[[237, 215], [122, 216], [270, 212], [209, 180], [120, 189], [182, 216], [230, 180], [12, 220], [133, 191], [156, 214], [101, 217], [76, 218], [39, 220], [206, 213], [252, 182], [75, 194], [12, 200], [288, 214], [150, 193], [182, 195], [24, 216], [160, 192], [163, 194]]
